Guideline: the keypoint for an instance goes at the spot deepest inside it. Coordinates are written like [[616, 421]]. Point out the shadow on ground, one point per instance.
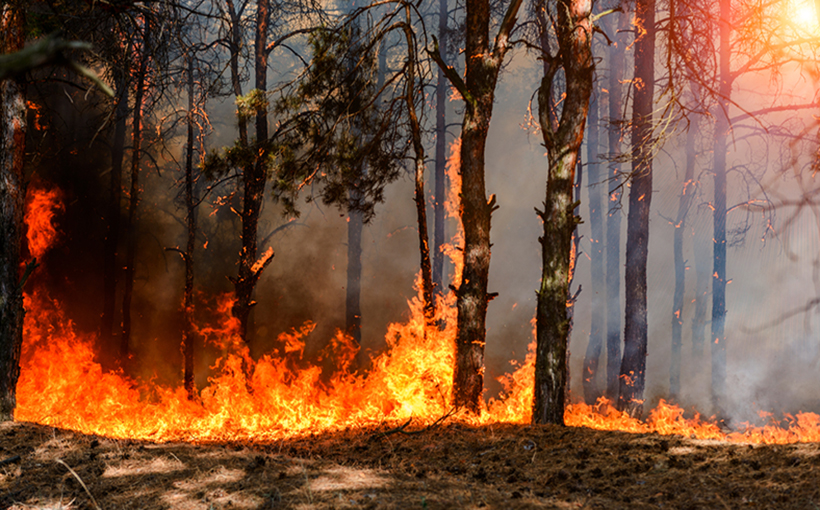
[[448, 467]]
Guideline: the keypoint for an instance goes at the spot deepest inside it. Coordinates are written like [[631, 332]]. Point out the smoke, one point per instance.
[[769, 368]]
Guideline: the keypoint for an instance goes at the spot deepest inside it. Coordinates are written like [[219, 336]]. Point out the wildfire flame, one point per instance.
[[41, 208], [62, 384]]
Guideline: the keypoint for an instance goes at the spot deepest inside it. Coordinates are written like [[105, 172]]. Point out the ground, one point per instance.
[[453, 466]]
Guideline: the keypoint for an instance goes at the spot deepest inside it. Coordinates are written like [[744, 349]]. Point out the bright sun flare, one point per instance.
[[804, 15]]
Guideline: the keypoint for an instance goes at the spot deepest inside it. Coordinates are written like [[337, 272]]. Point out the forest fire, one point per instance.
[[41, 208], [251, 256], [275, 397]]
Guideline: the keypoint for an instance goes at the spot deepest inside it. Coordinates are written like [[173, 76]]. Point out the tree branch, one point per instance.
[[763, 111], [451, 73], [501, 45]]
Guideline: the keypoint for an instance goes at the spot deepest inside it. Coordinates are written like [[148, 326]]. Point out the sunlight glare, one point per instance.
[[804, 15]]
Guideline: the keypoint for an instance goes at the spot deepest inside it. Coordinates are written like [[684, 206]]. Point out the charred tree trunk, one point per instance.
[[686, 196], [633, 365], [190, 222], [12, 197], [596, 224], [134, 198], [563, 141], [472, 297], [478, 90], [613, 223], [439, 234], [112, 238], [718, 339], [254, 179]]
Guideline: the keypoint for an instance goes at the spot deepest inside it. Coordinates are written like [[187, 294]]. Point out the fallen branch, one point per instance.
[[10, 460], [397, 429], [402, 428]]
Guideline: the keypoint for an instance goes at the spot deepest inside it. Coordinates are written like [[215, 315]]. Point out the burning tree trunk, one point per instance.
[[596, 223], [478, 91], [633, 366], [619, 24], [254, 179], [130, 226], [563, 140], [12, 193], [439, 194], [718, 339], [112, 238], [686, 196]]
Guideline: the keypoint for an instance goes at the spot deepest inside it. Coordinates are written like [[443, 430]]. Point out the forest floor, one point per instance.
[[454, 466]]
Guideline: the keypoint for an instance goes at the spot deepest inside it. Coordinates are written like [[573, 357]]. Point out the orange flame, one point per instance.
[[452, 205], [61, 384], [281, 394], [41, 208]]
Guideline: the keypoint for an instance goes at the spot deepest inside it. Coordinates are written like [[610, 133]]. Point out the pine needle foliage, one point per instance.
[[346, 137]]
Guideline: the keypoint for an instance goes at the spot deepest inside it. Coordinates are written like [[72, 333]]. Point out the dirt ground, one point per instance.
[[452, 466]]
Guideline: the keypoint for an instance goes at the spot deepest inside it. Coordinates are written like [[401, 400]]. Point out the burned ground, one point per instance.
[[454, 466]]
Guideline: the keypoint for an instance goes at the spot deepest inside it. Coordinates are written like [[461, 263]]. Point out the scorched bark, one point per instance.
[[12, 193], [478, 90], [633, 365], [563, 140]]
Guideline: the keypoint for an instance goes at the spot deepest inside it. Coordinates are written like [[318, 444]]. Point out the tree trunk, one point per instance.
[[596, 241], [254, 180], [478, 90], [355, 228], [12, 195], [439, 233], [620, 23], [702, 244], [563, 142], [353, 291], [472, 297], [685, 203], [112, 238], [133, 204], [188, 298], [420, 199], [242, 311], [633, 365], [718, 339], [236, 79]]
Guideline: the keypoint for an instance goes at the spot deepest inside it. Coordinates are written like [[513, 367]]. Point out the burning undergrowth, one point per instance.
[[283, 394]]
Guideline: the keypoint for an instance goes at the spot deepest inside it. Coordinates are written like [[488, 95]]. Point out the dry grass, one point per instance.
[[450, 467]]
